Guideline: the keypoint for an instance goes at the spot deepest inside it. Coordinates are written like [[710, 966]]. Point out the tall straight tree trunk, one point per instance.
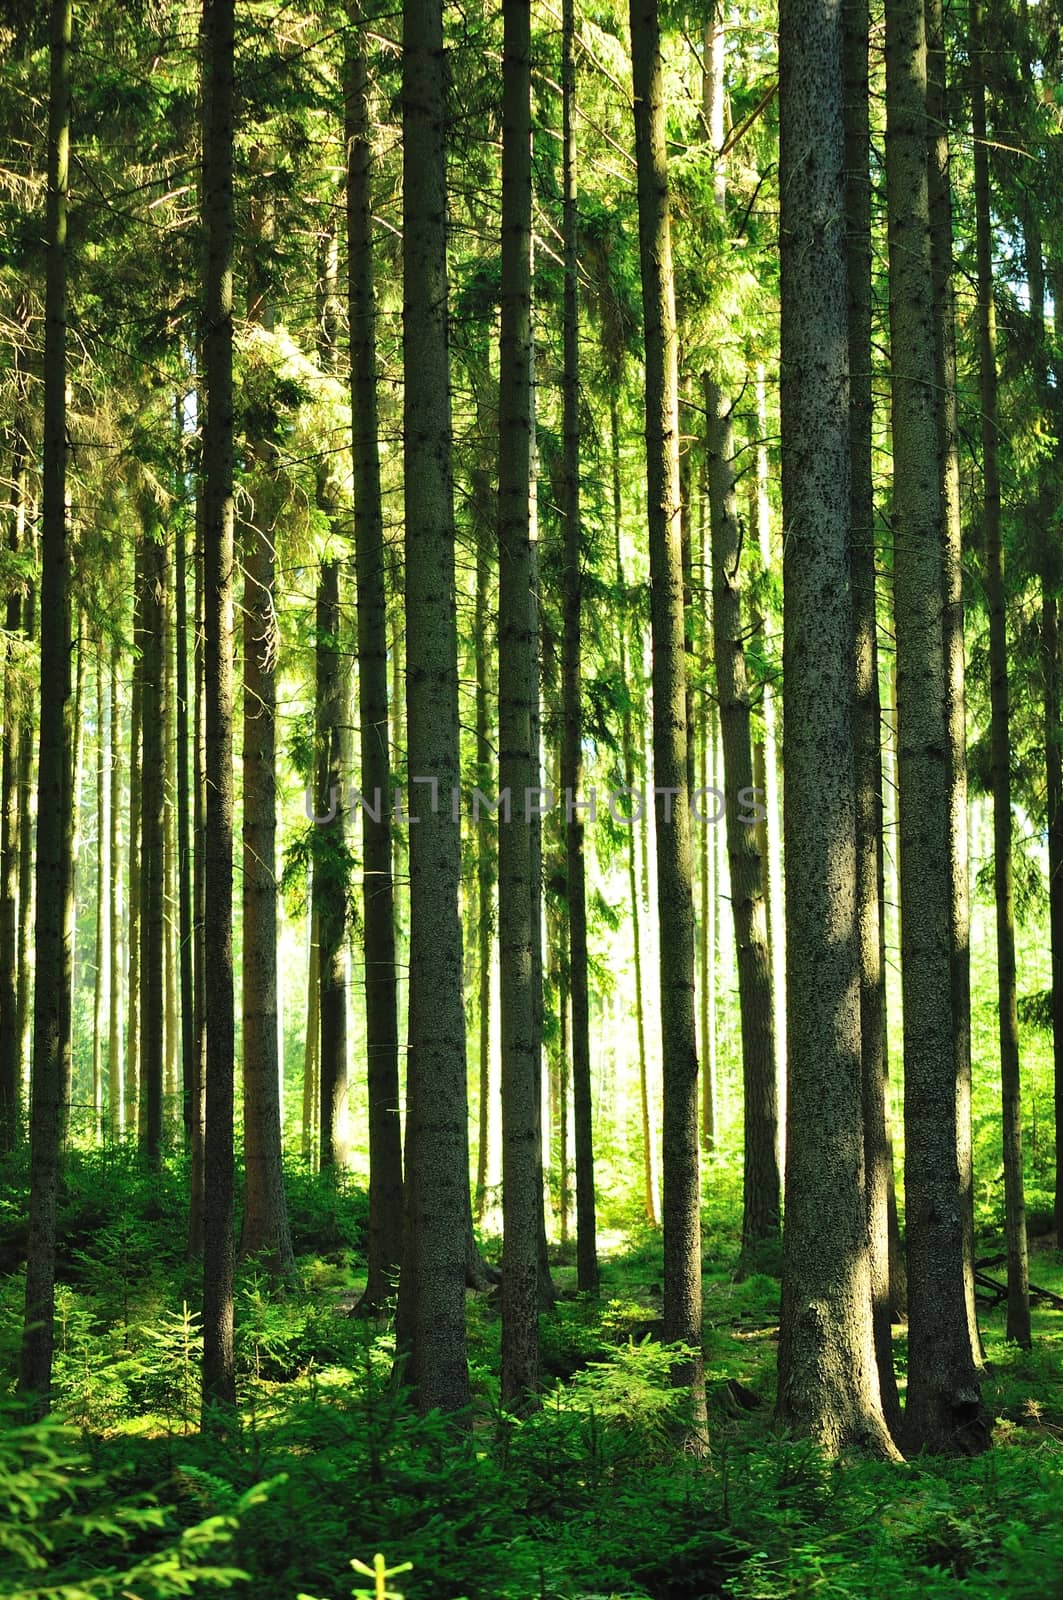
[[431, 1313], [196, 1178], [675, 902], [944, 1410], [939, 196], [133, 1039], [571, 686], [649, 1142], [828, 1378], [114, 912], [10, 801], [153, 805], [330, 885], [378, 897], [265, 1226], [184, 855], [172, 1029], [1054, 808], [312, 1040], [71, 850], [867, 755], [760, 1214], [51, 1039], [27, 825], [219, 1381], [1018, 1323], [104, 874], [485, 873], [518, 764]]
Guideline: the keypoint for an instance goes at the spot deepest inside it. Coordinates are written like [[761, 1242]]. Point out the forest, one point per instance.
[[531, 799]]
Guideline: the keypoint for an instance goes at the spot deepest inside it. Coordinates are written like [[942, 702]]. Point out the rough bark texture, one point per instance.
[[944, 1410], [102, 953], [184, 854], [828, 1377], [10, 1065], [1018, 1324], [878, 1153], [51, 1039], [132, 1042], [681, 1197], [518, 763], [939, 196], [760, 1212], [114, 918], [431, 1314], [199, 901], [378, 899], [219, 1381], [1054, 806], [572, 688]]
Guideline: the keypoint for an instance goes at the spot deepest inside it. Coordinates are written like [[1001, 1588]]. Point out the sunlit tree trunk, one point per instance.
[[943, 1410], [10, 799], [828, 1378], [152, 907], [114, 911], [104, 873]]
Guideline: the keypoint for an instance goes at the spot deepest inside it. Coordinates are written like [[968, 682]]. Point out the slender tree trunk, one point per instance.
[[171, 1030], [378, 898], [26, 895], [51, 1040], [430, 1325], [71, 851], [939, 195], [878, 1154], [114, 913], [760, 1218], [330, 878], [219, 1383], [944, 1409], [10, 1066], [518, 762], [1054, 807], [682, 1197], [104, 874], [485, 873], [152, 829], [312, 1044], [184, 859], [197, 1175], [133, 1039], [828, 1379], [1018, 1324], [571, 690]]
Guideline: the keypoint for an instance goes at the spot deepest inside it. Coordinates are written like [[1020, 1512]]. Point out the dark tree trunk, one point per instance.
[[10, 801], [1018, 1324], [51, 1016], [152, 798], [682, 1197], [378, 899], [430, 1326], [330, 876], [219, 1381]]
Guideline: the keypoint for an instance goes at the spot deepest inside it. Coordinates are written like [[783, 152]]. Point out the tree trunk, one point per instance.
[[312, 1039], [330, 875], [51, 1040], [114, 914], [939, 195], [10, 1065], [133, 1041], [1054, 808], [878, 1153], [571, 689], [944, 1410], [104, 874], [518, 762], [219, 1382], [152, 812], [828, 1379], [682, 1197], [485, 872], [26, 897], [196, 1177], [760, 1216], [378, 899], [71, 850], [1018, 1323], [430, 1326]]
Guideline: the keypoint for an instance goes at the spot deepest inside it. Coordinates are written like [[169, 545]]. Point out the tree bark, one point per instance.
[[330, 875], [152, 811], [430, 1326], [114, 917], [878, 1152], [104, 874], [51, 1016], [682, 1196], [944, 1410], [828, 1378], [219, 1382], [10, 800]]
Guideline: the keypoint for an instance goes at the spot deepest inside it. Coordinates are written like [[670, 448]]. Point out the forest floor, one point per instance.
[[586, 1500]]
